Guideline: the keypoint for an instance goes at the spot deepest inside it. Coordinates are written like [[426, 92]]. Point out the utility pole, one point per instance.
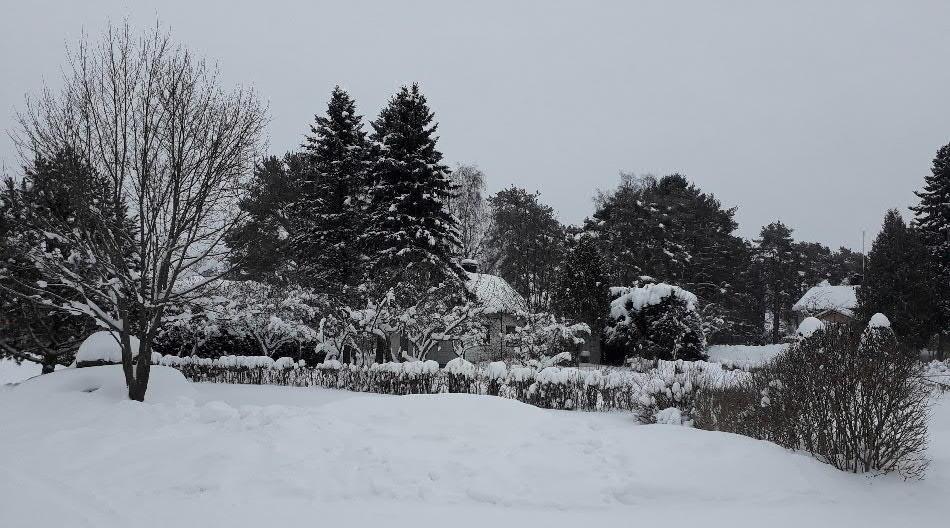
[[864, 255]]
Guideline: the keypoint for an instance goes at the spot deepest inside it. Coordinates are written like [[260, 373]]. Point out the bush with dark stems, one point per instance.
[[857, 401]]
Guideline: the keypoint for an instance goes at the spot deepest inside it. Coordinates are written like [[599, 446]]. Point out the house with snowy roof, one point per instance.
[[502, 309], [830, 304]]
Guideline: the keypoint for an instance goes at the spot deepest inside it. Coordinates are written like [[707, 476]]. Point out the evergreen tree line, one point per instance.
[[355, 213]]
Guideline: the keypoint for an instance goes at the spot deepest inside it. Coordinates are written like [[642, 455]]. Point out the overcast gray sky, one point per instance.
[[821, 114]]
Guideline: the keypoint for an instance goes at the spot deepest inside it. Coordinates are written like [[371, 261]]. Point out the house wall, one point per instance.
[[834, 318], [496, 349]]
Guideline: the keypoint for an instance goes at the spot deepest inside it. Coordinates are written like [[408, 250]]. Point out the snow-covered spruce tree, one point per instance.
[[933, 221], [174, 147], [410, 235], [899, 281], [330, 211], [656, 321]]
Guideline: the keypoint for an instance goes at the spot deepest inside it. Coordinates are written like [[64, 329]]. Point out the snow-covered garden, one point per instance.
[[195, 333], [199, 454]]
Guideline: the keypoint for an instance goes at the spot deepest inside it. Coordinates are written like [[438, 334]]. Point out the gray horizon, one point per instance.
[[822, 116]]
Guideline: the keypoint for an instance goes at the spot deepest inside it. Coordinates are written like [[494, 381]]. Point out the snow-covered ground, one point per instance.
[[10, 372], [74, 452], [744, 356]]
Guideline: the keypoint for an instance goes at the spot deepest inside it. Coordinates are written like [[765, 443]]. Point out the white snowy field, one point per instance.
[[10, 372], [744, 356], [74, 452]]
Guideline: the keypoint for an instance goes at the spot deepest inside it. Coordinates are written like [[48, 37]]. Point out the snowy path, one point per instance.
[[215, 455]]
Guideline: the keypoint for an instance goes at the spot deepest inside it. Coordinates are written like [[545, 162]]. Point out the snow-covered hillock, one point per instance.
[[103, 347], [108, 382]]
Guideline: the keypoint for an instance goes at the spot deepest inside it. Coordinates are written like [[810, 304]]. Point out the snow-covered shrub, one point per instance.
[[273, 317], [669, 416], [460, 375], [543, 336], [858, 403], [656, 321]]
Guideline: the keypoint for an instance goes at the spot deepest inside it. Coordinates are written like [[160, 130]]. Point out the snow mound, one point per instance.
[[104, 346], [13, 372], [879, 320], [669, 416], [106, 382], [809, 326]]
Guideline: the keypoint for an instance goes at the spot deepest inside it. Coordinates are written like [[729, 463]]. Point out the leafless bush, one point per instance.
[[857, 402]]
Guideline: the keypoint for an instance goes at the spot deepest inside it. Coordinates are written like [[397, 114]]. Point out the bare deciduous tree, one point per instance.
[[470, 209], [151, 119]]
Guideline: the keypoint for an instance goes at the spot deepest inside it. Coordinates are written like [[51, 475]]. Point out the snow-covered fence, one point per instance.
[[668, 384]]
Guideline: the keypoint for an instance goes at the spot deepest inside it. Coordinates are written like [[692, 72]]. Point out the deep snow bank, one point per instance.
[[105, 383], [200, 455]]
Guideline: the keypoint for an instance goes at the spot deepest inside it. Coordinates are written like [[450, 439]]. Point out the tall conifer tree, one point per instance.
[[933, 221], [332, 205], [410, 230], [898, 281]]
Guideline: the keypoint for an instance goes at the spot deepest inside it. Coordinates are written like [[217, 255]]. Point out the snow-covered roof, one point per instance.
[[495, 294], [824, 297]]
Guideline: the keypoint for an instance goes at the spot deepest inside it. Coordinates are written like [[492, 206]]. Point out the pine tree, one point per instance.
[[410, 232], [331, 207], [670, 230], [61, 189], [933, 221], [898, 282], [528, 241], [261, 242]]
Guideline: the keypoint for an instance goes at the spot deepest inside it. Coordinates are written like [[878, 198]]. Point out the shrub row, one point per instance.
[[667, 384]]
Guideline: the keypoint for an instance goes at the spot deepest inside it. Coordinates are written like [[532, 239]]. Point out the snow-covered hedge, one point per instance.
[[667, 384]]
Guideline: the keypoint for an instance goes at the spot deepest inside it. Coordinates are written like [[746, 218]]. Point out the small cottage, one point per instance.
[[829, 304], [502, 308]]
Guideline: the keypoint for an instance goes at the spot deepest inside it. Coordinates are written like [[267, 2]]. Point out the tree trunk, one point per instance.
[[143, 367], [775, 323], [48, 367]]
